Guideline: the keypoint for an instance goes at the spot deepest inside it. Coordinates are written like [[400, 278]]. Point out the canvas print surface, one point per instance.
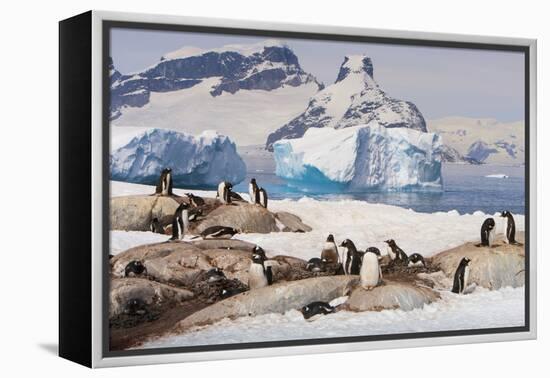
[[270, 190]]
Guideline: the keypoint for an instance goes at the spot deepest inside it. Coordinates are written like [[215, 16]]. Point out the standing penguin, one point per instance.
[[164, 186], [257, 275], [224, 192], [330, 251], [353, 258], [370, 273], [461, 276], [180, 222], [510, 229], [253, 191], [156, 227], [488, 232], [396, 253], [262, 194]]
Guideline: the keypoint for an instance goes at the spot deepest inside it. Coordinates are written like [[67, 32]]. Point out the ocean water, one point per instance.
[[466, 188]]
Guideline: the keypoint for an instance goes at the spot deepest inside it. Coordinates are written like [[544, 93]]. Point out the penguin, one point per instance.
[[180, 222], [134, 268], [330, 251], [257, 277], [156, 227], [236, 196], [259, 251], [164, 186], [416, 259], [229, 292], [224, 192], [370, 273], [396, 253], [135, 306], [219, 232], [194, 200], [316, 265], [316, 308], [214, 275], [194, 214], [353, 258], [262, 197], [253, 191], [461, 276], [510, 229], [488, 232]]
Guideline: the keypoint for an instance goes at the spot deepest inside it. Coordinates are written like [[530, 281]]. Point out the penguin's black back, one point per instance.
[[316, 308]]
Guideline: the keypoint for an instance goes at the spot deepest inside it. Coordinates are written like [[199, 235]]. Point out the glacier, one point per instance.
[[364, 157], [201, 161]]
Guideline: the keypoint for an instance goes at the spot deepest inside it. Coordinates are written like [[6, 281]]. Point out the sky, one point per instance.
[[440, 81]]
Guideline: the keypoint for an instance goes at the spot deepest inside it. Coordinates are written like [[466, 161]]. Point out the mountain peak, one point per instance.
[[243, 49], [355, 64]]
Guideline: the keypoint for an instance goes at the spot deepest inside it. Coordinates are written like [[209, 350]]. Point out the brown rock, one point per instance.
[[150, 292], [390, 295]]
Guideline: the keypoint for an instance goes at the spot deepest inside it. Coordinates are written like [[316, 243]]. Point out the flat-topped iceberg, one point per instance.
[[366, 157], [201, 161]]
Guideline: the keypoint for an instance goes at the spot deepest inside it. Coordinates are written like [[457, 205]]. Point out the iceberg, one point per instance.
[[201, 161], [365, 157]]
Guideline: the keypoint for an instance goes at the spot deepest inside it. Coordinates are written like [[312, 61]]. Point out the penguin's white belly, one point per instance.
[[390, 252], [185, 218], [256, 277], [330, 250], [466, 277], [221, 188], [251, 193], [370, 271]]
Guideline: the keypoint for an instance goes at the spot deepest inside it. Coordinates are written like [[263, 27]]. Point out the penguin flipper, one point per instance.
[[269, 275]]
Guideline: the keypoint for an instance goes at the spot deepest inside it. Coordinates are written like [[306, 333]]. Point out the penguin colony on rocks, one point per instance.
[[351, 261]]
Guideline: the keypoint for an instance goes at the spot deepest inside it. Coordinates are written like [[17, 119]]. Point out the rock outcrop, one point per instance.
[[277, 298], [390, 295], [134, 213], [149, 292], [491, 267]]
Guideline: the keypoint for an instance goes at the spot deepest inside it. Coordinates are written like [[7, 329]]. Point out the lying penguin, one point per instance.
[[135, 306], [218, 232], [315, 309], [416, 259], [194, 200], [134, 268], [316, 265]]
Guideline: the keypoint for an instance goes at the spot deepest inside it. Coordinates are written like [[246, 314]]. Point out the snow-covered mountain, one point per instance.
[[245, 91], [201, 161], [355, 98], [481, 140], [365, 157]]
